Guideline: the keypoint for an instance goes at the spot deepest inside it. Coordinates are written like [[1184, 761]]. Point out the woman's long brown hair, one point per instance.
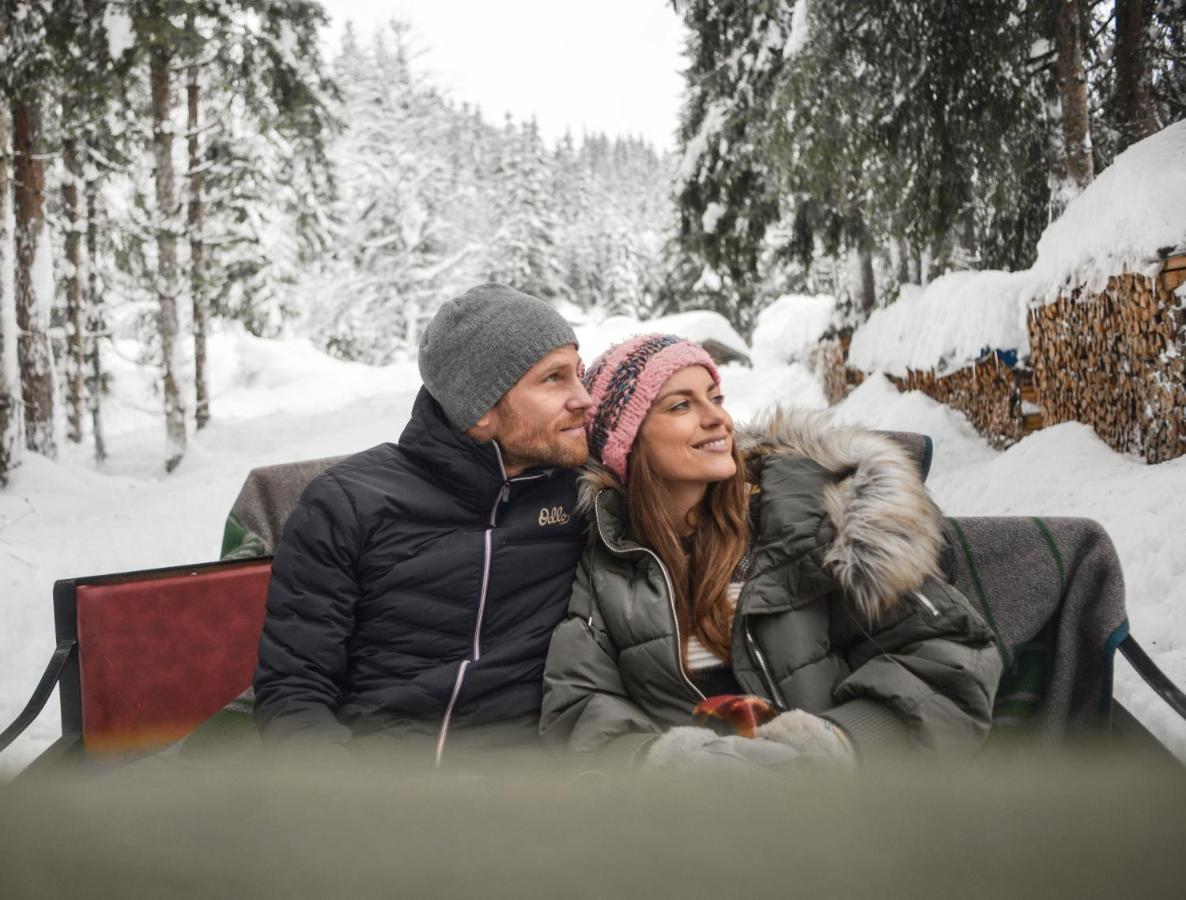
[[720, 530]]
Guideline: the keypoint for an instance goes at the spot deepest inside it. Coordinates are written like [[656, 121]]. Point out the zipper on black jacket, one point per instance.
[[504, 494]]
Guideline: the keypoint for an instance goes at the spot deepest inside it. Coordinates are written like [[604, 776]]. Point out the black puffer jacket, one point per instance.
[[415, 590]]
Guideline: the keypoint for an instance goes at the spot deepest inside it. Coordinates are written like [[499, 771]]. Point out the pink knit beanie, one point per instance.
[[624, 381]]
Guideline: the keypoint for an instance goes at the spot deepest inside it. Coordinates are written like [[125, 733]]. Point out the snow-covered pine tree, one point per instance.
[[258, 124], [8, 402], [27, 68], [406, 194], [727, 191], [523, 250]]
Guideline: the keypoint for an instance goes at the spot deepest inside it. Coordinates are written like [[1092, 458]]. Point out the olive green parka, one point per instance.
[[844, 614]]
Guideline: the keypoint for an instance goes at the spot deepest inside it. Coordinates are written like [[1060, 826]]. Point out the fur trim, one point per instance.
[[594, 478], [888, 530]]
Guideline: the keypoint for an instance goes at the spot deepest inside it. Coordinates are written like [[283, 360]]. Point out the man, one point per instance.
[[416, 586]]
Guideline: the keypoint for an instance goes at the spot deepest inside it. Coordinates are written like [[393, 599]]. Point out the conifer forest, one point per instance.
[[167, 166]]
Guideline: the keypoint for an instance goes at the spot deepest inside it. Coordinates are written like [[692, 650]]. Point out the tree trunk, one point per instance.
[[8, 408], [201, 302], [1135, 116], [162, 145], [74, 274], [902, 261], [868, 291], [34, 279], [1072, 91], [95, 326]]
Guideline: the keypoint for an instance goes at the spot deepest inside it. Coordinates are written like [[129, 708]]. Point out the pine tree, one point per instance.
[[9, 422], [28, 66], [728, 194]]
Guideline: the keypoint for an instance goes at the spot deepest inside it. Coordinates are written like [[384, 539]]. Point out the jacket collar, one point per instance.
[[470, 470]]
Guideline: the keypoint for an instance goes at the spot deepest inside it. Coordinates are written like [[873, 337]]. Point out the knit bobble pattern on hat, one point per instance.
[[624, 382]]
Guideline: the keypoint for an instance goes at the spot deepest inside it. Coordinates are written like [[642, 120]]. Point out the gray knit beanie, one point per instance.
[[479, 344]]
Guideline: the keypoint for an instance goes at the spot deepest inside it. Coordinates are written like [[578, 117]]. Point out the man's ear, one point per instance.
[[486, 428]]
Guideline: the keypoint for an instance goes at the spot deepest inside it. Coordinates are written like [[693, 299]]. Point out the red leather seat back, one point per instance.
[[160, 655]]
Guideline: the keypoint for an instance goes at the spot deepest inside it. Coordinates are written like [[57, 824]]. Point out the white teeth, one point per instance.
[[718, 444]]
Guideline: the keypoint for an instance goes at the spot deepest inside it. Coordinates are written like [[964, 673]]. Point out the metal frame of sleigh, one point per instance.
[[163, 658]]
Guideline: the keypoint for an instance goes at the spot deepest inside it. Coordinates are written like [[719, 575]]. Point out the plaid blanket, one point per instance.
[[1053, 593]]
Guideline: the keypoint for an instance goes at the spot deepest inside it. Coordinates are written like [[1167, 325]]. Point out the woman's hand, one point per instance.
[[811, 737], [687, 747]]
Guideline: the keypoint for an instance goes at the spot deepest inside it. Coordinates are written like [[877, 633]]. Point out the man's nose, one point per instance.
[[580, 399]]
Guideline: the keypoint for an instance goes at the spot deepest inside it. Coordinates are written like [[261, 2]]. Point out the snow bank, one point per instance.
[[697, 325], [789, 327], [1134, 208], [947, 324]]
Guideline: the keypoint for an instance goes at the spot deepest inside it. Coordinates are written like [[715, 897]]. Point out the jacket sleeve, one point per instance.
[[585, 707], [925, 676], [310, 618]]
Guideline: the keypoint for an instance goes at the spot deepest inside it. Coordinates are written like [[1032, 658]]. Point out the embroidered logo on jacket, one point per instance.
[[554, 516]]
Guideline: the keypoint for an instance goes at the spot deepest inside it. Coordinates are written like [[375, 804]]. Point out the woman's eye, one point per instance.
[[682, 405]]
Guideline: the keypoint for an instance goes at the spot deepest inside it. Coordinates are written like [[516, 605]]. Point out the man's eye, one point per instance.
[[718, 399]]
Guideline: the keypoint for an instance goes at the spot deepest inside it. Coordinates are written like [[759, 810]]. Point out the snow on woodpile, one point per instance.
[[698, 325], [947, 324], [790, 327], [1124, 221]]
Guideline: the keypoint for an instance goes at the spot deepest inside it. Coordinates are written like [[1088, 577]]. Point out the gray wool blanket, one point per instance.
[[1053, 593], [269, 494]]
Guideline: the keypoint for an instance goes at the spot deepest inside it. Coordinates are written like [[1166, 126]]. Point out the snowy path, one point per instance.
[[65, 519]]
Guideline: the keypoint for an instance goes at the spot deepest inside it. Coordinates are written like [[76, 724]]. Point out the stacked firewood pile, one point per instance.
[[827, 360], [1116, 360], [988, 393]]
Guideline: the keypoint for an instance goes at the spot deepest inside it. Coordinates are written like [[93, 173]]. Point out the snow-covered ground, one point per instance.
[[282, 400]]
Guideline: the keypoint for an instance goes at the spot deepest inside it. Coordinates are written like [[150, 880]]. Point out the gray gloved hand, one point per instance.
[[811, 738], [687, 747]]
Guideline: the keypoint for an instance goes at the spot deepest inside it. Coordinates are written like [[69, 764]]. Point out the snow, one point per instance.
[[42, 276], [1121, 220], [696, 325], [121, 34], [714, 118], [800, 31], [947, 324], [282, 400], [712, 215], [791, 326]]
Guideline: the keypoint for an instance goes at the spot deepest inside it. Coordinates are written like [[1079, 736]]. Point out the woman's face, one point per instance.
[[687, 435]]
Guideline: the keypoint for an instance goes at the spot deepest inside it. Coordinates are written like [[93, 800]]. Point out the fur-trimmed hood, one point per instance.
[[887, 531]]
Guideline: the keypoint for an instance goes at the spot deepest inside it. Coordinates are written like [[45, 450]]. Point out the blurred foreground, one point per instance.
[[1088, 827]]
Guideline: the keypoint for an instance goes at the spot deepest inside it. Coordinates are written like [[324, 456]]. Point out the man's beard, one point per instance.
[[525, 446]]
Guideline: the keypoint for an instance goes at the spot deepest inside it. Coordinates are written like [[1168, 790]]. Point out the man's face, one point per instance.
[[541, 420]]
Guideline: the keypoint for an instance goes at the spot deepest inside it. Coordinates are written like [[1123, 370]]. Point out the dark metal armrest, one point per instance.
[[1154, 677], [41, 694]]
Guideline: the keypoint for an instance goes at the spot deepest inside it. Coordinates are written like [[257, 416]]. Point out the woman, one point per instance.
[[793, 562]]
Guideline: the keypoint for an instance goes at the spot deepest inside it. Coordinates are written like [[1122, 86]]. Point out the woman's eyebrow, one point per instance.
[[685, 392]]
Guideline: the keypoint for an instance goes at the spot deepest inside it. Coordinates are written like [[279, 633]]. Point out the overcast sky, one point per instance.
[[596, 65]]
